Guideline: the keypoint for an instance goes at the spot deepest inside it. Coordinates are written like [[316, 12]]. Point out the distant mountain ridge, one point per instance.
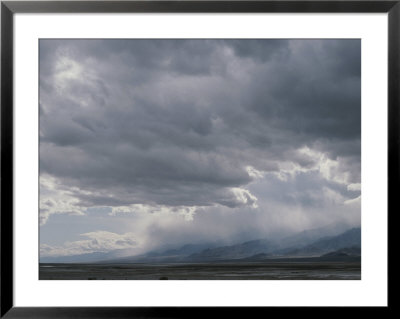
[[309, 236], [324, 243], [350, 238], [242, 250], [345, 252]]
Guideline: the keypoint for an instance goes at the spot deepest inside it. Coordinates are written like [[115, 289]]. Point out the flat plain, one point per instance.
[[274, 270]]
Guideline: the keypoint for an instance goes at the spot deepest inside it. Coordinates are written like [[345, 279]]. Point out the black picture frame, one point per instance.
[[9, 8]]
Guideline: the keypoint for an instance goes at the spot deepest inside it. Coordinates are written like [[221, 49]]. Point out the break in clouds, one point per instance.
[[174, 141]]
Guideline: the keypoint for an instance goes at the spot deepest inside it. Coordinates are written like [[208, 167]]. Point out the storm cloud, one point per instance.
[[198, 124]]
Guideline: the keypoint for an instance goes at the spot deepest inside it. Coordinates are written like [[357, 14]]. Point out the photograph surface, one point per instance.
[[200, 159]]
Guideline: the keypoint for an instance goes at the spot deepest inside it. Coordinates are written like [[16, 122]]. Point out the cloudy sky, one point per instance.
[[145, 143]]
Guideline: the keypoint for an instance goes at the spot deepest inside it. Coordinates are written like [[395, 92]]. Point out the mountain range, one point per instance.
[[269, 249], [325, 244]]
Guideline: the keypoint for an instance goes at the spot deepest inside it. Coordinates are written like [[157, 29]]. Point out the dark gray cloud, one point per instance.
[[178, 122]]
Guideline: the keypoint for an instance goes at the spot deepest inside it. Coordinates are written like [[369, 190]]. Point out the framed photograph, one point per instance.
[[173, 158]]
